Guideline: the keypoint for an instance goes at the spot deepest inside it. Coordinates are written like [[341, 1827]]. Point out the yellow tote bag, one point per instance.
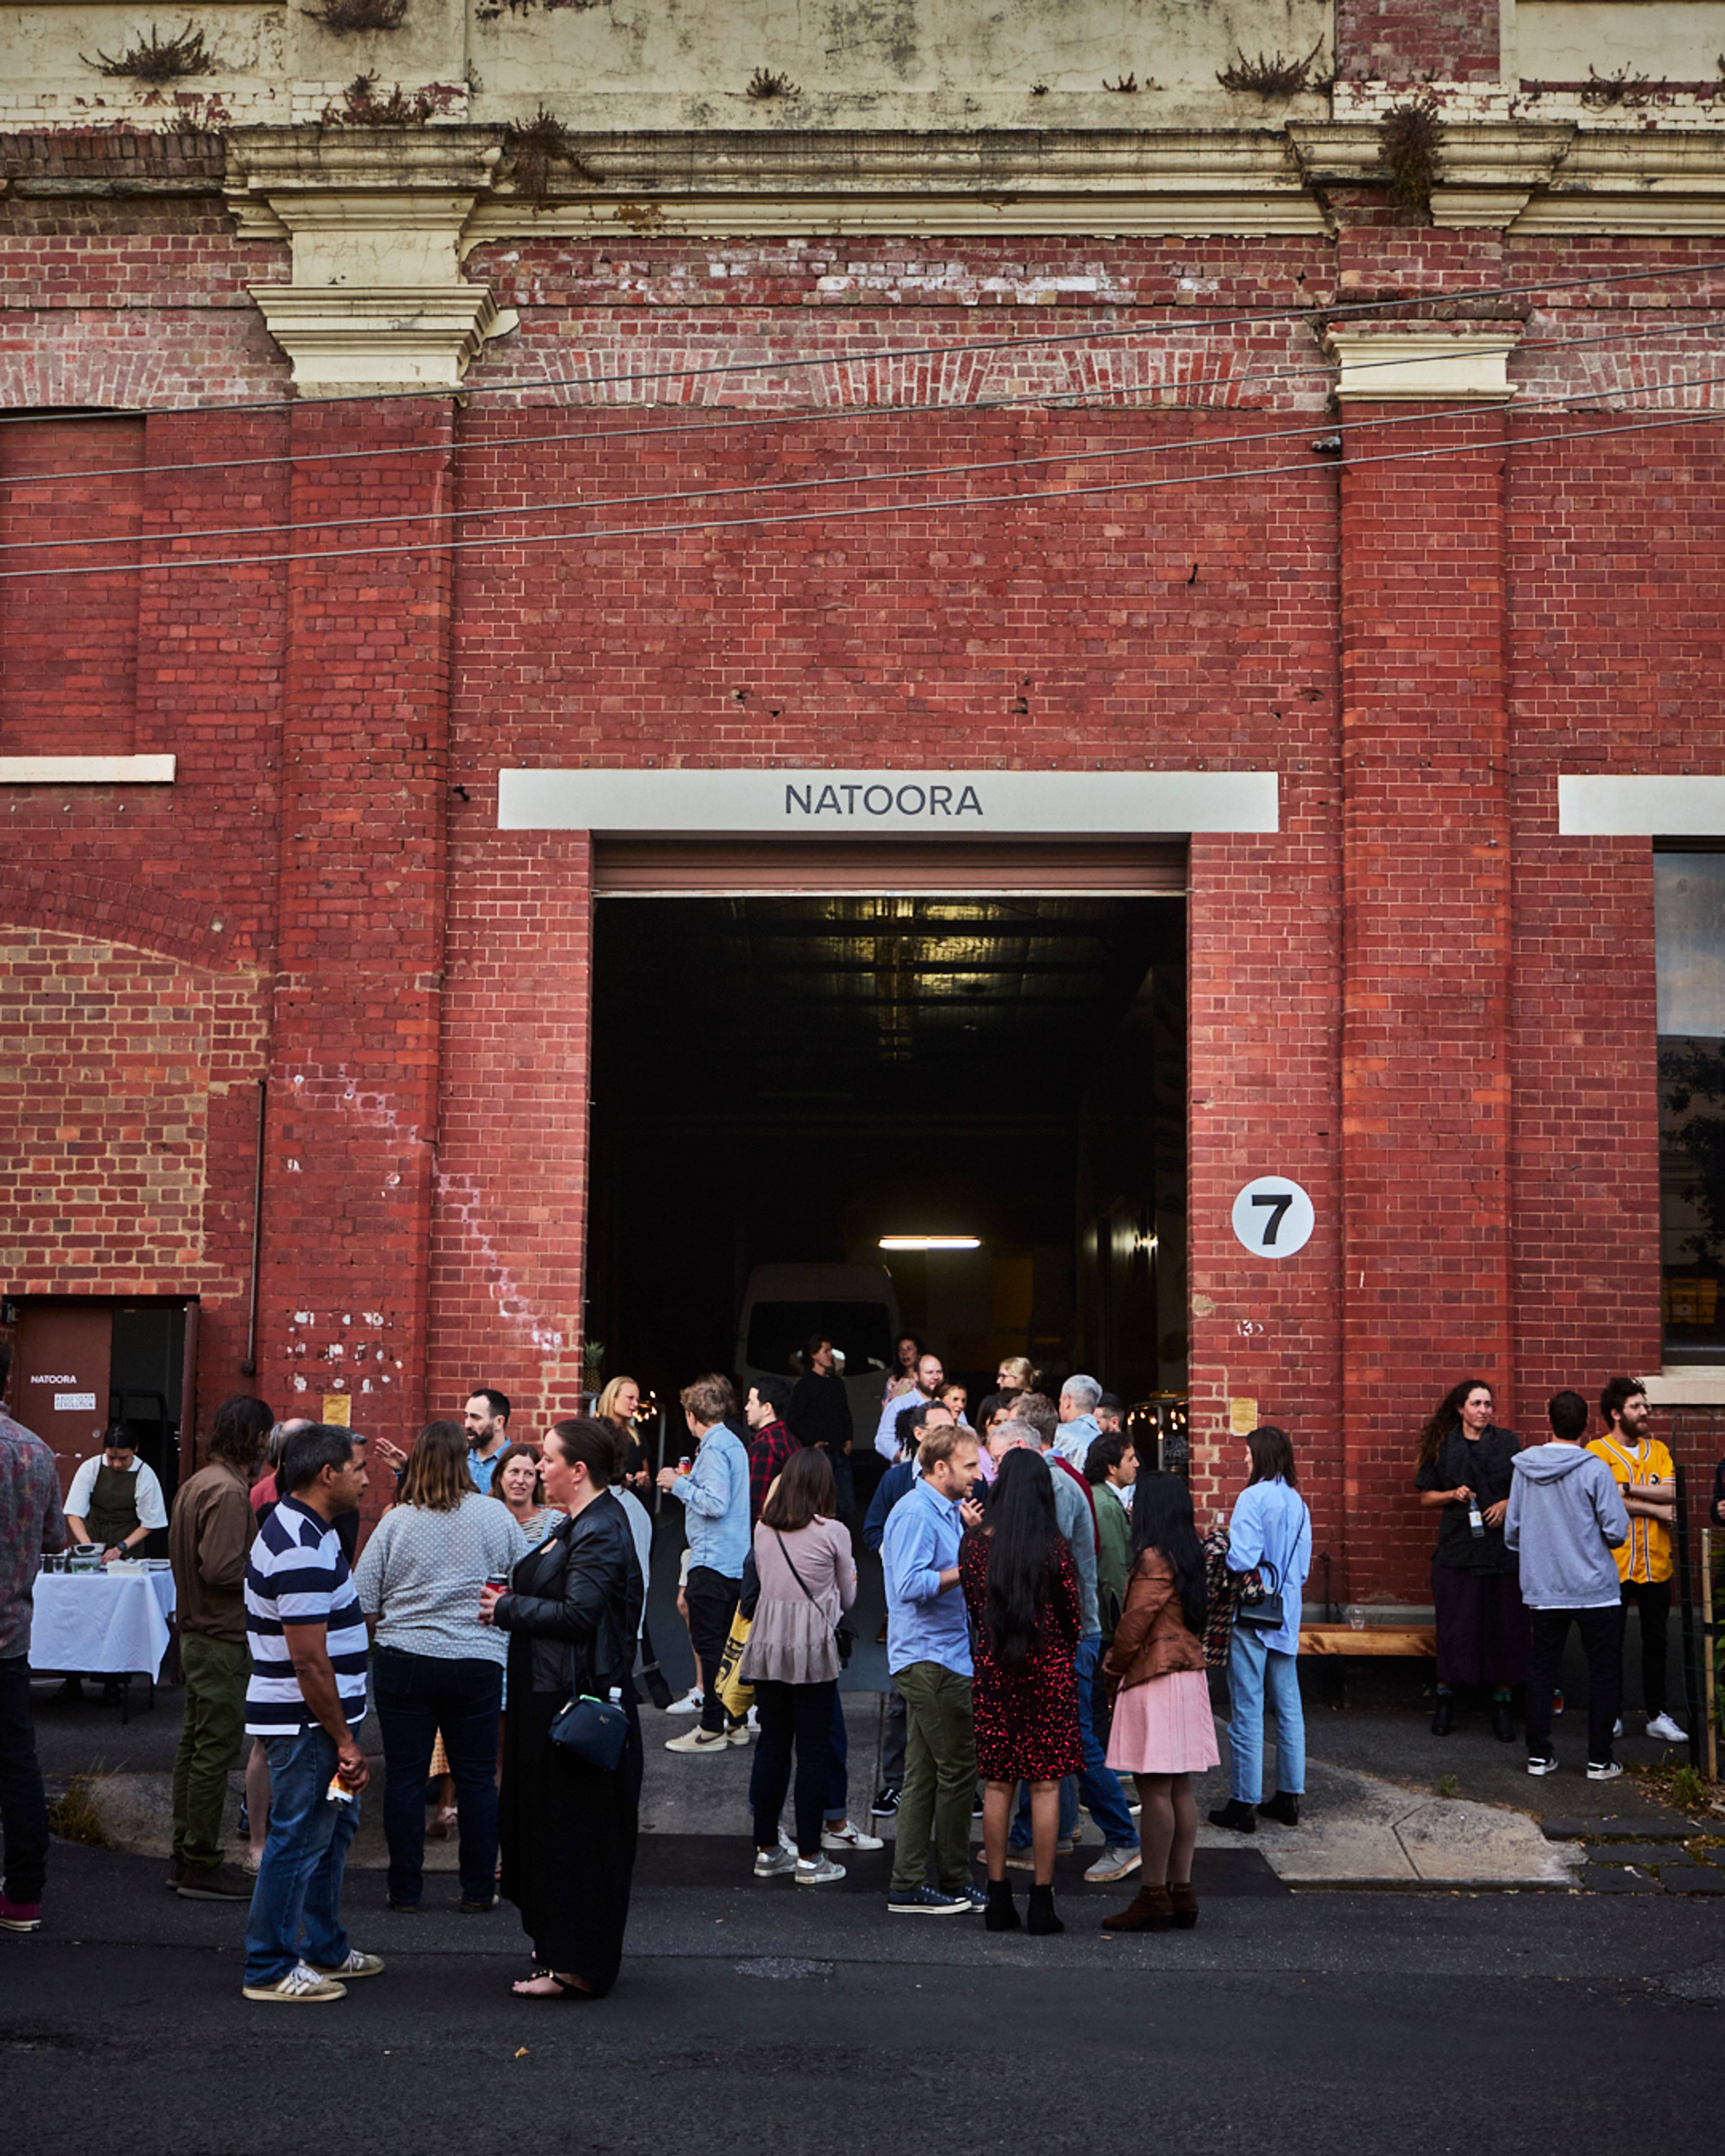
[[737, 1696]]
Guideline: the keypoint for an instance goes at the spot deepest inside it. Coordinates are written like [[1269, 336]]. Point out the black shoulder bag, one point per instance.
[[844, 1639], [595, 1729]]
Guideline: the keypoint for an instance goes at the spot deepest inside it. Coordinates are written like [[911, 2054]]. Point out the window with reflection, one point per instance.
[[1689, 915]]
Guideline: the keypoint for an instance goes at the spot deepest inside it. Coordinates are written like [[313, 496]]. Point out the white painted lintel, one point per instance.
[[86, 770]]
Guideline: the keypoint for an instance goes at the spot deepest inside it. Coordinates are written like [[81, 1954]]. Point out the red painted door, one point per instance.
[[59, 1379]]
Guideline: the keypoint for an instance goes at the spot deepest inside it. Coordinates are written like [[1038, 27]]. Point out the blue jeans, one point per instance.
[[1256, 1672], [298, 1895], [417, 1696]]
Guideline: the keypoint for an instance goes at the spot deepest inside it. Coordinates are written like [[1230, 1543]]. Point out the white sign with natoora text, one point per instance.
[[919, 805]]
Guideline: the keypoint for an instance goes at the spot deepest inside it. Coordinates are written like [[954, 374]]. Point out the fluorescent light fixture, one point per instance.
[[930, 1242]]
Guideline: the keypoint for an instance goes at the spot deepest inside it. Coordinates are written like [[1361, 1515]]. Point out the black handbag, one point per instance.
[[653, 1678], [844, 1639], [1264, 1612], [595, 1729]]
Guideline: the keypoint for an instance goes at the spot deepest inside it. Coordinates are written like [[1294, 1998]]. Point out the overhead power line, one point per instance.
[[1497, 444], [180, 537]]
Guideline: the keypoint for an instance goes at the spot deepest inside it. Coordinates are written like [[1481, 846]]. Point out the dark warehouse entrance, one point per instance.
[[783, 1076]]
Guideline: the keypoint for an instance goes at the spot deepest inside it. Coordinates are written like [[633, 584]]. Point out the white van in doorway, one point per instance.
[[854, 1306]]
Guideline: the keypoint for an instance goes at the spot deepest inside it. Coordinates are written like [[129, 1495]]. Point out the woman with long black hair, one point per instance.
[[1164, 1733], [569, 1825], [1485, 1635], [1021, 1587]]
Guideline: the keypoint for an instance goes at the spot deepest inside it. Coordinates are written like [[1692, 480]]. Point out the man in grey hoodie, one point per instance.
[[1564, 1520]]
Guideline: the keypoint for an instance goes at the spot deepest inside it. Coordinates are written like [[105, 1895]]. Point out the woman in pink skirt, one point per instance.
[[1164, 1733]]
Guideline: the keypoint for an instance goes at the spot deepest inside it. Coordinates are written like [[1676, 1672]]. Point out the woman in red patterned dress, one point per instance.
[[1021, 1589]]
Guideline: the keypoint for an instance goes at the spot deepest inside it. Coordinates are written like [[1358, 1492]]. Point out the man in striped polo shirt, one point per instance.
[[307, 1699]]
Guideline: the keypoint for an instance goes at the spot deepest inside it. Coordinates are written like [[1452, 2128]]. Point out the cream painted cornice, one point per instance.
[[377, 299], [1028, 180]]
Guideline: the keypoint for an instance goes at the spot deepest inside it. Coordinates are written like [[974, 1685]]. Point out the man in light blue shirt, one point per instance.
[[929, 1377], [715, 1496], [1078, 1427], [928, 1653]]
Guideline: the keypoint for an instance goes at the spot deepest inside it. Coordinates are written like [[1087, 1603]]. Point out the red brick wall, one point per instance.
[[325, 882], [1416, 40], [68, 672]]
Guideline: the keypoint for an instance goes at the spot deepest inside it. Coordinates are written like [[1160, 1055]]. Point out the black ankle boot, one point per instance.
[[1503, 1723], [1237, 1815], [1002, 1913], [1042, 1919], [1283, 1806], [1443, 1715]]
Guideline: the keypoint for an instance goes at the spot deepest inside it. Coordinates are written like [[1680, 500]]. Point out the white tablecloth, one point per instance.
[[87, 1621]]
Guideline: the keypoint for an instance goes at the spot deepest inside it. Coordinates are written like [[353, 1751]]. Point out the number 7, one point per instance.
[[1279, 1202]]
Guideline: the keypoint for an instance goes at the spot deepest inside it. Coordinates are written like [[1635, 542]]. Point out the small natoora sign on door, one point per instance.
[[1273, 1217]]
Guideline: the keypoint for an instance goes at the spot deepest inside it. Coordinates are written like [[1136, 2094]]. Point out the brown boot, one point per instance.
[[1185, 1905], [1151, 1911]]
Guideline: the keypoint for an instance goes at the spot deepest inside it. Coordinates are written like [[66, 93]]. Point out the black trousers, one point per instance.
[[1602, 1643], [24, 1806], [800, 1714], [1653, 1599], [712, 1604]]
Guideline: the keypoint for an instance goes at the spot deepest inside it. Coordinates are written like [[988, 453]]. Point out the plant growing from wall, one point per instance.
[[1126, 85], [342, 17], [1410, 139], [1622, 87], [763, 85], [1271, 75], [156, 59], [361, 106], [533, 146]]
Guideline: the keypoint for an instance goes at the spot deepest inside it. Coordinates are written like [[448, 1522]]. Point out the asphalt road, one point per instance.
[[761, 2017]]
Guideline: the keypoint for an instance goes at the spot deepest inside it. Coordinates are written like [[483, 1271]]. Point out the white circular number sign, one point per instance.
[[1273, 1217]]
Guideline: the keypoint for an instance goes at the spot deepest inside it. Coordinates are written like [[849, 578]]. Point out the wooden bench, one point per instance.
[[1371, 1640]]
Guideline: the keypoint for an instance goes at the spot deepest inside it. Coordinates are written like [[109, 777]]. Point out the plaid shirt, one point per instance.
[[30, 1521], [769, 1448], [1224, 1587]]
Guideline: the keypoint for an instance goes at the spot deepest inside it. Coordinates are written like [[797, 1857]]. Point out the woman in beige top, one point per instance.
[[807, 1580]]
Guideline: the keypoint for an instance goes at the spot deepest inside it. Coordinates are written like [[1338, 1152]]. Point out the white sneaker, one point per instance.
[[302, 1986], [1617, 1727], [740, 1734], [692, 1704], [1663, 1727], [1541, 1763], [847, 1836], [751, 1722], [818, 1870], [699, 1740], [774, 1863], [1605, 1770], [787, 1842], [357, 1964]]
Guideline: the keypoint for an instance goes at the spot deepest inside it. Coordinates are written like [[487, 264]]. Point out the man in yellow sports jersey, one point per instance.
[[1641, 1468]]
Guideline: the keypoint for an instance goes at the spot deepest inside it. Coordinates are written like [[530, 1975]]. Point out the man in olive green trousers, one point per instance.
[[209, 1538]]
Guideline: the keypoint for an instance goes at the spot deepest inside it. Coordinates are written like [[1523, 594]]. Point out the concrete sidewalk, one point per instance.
[[1358, 1828]]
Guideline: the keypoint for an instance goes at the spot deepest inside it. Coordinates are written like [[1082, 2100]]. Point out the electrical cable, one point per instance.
[[1139, 485], [180, 537], [1314, 311]]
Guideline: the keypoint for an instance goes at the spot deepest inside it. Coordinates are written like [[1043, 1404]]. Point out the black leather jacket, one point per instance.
[[578, 1596]]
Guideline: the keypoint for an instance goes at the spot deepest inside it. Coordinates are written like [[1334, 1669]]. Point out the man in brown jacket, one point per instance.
[[208, 1537]]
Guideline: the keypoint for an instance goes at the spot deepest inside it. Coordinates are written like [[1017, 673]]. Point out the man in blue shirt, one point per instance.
[[914, 1425], [715, 1496], [929, 1377], [928, 1653]]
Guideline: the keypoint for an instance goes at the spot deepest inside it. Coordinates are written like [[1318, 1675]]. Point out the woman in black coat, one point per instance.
[[568, 1828], [1484, 1633]]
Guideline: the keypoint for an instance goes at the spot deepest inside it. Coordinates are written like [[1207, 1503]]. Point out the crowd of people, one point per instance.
[[1534, 1542], [1055, 1619]]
